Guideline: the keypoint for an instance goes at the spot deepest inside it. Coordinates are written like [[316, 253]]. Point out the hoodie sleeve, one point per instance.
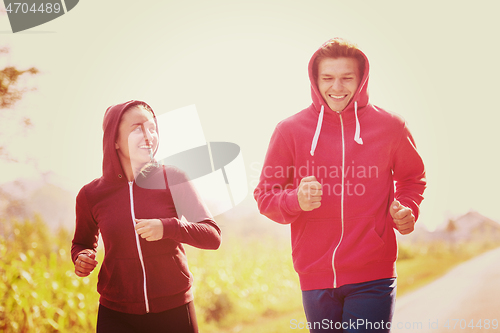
[[86, 230], [276, 194], [409, 173], [198, 227], [204, 235]]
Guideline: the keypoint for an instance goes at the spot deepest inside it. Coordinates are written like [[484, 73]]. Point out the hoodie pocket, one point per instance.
[[167, 275], [121, 280], [313, 246], [360, 245]]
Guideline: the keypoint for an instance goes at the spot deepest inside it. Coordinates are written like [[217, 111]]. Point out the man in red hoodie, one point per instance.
[[344, 174]]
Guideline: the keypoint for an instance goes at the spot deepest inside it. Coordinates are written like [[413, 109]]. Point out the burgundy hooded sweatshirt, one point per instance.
[[364, 157], [139, 276]]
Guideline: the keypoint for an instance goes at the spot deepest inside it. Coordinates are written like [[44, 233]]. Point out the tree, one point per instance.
[[451, 227], [11, 91]]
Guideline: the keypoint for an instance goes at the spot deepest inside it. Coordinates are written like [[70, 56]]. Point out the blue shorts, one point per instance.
[[359, 307]]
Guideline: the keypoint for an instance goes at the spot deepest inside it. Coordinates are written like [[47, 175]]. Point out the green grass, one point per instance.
[[248, 285]]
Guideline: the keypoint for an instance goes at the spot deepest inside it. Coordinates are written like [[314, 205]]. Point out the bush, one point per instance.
[[240, 282], [245, 281], [40, 291]]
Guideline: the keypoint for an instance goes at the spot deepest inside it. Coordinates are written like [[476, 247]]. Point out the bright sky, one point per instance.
[[244, 65]]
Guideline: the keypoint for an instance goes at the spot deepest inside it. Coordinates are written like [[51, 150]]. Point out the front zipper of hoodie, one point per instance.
[[139, 250], [341, 203]]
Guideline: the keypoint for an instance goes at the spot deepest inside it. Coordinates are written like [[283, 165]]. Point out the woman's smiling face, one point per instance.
[[137, 135]]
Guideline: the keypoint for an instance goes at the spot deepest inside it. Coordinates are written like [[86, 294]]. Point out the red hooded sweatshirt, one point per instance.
[[139, 276], [364, 157]]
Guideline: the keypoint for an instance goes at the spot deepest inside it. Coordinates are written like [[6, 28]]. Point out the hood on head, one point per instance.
[[111, 167], [359, 100], [361, 95]]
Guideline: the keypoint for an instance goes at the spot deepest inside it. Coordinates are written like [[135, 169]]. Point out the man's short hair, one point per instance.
[[339, 48]]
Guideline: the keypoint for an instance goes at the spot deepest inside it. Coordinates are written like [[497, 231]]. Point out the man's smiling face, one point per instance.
[[338, 80]]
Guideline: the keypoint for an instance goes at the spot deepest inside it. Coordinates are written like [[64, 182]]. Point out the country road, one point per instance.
[[466, 299]]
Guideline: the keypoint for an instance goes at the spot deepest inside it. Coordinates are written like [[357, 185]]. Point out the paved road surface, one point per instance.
[[471, 291]]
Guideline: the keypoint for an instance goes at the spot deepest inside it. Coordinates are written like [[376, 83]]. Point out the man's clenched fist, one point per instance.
[[403, 218], [309, 193]]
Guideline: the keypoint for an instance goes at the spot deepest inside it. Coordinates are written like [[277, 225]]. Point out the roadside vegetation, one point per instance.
[[248, 285]]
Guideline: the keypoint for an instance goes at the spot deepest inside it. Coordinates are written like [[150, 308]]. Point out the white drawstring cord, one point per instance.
[[318, 130], [357, 134]]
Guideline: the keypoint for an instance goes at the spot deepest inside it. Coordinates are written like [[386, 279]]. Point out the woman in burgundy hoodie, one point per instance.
[[136, 205]]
